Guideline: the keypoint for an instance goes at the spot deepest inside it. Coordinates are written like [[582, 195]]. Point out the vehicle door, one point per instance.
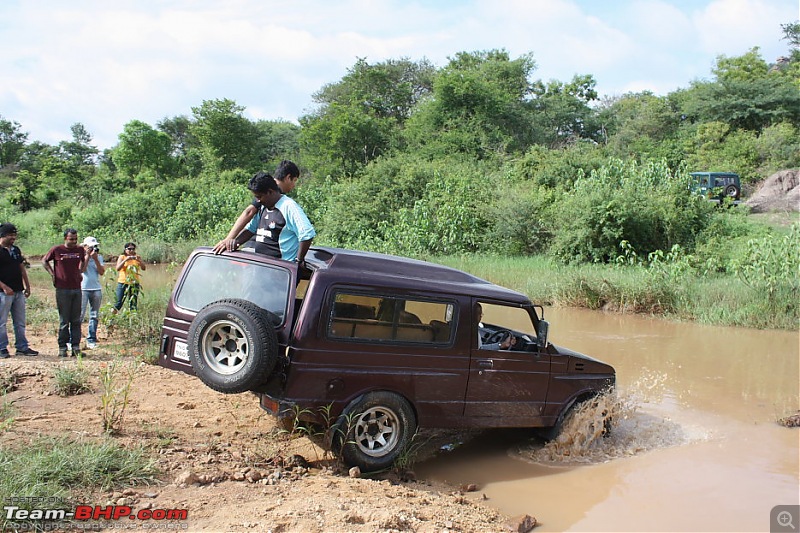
[[369, 339], [509, 386]]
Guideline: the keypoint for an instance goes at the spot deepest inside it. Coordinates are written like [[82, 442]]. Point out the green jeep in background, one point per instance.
[[716, 186]]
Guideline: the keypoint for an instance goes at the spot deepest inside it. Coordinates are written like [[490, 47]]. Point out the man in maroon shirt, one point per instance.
[[69, 262]]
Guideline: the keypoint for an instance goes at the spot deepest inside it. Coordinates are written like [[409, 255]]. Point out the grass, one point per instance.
[[719, 299], [71, 380], [53, 467]]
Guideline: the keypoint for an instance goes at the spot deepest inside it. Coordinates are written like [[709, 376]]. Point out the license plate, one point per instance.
[[181, 351]]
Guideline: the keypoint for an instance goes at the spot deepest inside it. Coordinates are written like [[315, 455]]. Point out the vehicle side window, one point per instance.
[[213, 278], [390, 319]]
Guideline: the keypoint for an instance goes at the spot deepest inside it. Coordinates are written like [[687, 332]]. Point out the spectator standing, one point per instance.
[[92, 289], [14, 289], [68, 264], [130, 267]]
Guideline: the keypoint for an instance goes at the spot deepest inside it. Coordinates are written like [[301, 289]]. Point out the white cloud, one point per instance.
[[106, 63]]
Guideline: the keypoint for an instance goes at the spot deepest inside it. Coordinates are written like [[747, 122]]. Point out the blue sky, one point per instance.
[[104, 63]]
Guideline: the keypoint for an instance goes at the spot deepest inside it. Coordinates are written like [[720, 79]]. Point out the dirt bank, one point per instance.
[[223, 460]]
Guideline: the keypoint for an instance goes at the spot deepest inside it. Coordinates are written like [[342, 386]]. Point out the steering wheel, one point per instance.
[[498, 336]]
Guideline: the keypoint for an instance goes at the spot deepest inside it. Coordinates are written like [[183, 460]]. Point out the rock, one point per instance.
[[521, 523], [779, 192], [469, 487], [354, 472], [253, 475], [297, 460], [186, 478], [792, 421]]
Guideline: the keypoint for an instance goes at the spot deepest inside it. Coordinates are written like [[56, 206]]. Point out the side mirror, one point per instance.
[[541, 335]]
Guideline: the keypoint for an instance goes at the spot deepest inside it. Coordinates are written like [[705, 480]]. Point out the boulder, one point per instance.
[[779, 192]]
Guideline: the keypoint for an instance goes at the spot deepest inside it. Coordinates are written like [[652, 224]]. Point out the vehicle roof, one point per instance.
[[714, 174], [406, 273], [354, 267]]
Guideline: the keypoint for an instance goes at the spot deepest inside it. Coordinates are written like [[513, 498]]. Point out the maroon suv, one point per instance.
[[373, 346]]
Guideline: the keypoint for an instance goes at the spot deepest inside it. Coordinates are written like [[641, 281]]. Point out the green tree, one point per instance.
[[226, 139], [642, 126], [745, 95], [480, 106], [23, 192], [142, 148], [277, 140], [360, 117], [12, 142], [344, 141], [177, 128], [562, 113], [78, 156]]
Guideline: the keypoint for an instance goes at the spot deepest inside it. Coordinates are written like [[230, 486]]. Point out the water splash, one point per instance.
[[611, 426]]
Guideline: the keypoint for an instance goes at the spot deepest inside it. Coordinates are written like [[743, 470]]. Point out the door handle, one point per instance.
[[485, 363]]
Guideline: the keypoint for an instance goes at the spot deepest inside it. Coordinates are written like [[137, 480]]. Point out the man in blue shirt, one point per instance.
[[281, 227]]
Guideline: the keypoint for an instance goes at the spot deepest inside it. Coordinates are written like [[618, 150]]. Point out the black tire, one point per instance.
[[732, 191], [374, 430], [233, 346]]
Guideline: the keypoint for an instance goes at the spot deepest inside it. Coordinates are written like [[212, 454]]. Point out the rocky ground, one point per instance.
[[224, 461]]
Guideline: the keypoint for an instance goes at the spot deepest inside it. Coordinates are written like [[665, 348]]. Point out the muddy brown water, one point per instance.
[[696, 446]]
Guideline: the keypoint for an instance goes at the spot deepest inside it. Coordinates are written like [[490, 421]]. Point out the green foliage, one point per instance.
[[142, 148], [771, 266], [562, 113], [744, 101], [642, 126], [561, 167], [204, 215], [479, 107], [449, 218], [360, 209], [116, 379], [518, 219], [22, 193], [361, 116], [646, 205], [227, 140], [71, 380], [12, 142]]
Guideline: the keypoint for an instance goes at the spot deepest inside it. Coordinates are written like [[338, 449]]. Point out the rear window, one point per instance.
[[390, 319], [212, 278]]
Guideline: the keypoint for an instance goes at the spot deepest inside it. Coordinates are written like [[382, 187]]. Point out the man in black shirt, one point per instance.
[[14, 289]]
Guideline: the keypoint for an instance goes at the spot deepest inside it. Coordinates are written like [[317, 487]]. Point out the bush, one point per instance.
[[647, 205]]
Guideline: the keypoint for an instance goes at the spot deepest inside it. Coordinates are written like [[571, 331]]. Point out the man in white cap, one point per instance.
[[92, 289]]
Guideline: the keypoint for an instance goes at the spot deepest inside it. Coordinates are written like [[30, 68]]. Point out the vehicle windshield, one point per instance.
[[217, 277]]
